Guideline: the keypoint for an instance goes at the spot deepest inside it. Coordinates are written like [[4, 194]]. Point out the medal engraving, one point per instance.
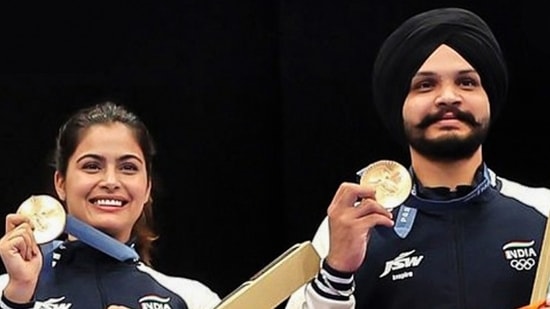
[[391, 180], [47, 215]]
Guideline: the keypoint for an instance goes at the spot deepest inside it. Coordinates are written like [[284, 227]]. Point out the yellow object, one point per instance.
[[275, 282]]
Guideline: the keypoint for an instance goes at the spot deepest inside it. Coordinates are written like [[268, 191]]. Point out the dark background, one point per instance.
[[259, 108]]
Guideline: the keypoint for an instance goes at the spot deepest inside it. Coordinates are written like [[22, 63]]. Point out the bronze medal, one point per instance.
[[391, 180], [47, 215]]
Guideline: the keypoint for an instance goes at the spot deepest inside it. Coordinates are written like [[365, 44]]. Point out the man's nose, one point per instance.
[[448, 95]]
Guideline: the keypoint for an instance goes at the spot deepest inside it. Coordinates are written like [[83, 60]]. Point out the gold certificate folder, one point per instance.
[[277, 281]]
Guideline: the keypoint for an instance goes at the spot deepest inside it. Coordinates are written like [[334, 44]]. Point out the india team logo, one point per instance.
[[520, 254], [155, 302]]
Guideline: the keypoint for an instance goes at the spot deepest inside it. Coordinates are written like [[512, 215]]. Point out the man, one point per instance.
[[464, 237]]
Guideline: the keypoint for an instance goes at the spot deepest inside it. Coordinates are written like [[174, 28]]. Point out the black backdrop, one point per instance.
[[259, 108]]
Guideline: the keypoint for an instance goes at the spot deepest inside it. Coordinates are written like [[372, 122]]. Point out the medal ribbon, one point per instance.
[[99, 240], [90, 236], [406, 215], [479, 188]]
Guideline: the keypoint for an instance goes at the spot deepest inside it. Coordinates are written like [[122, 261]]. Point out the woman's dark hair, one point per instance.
[[69, 136]]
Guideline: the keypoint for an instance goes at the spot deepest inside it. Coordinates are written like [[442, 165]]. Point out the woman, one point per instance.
[[103, 168]]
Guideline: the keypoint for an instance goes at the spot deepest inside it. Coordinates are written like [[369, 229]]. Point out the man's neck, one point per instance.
[[448, 174]]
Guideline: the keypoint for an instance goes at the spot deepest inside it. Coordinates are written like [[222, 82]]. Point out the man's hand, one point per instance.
[[352, 214]]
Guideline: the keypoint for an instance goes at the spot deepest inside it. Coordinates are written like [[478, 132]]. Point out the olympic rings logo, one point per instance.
[[523, 264]]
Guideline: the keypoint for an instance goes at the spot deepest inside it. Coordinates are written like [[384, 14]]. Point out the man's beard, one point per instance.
[[450, 147]]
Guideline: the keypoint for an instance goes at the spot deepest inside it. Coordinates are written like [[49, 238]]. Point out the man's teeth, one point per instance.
[[108, 202]]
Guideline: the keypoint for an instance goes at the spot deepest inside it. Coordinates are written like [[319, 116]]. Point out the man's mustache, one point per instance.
[[457, 113]]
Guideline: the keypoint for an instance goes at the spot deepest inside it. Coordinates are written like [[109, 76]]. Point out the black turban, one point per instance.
[[406, 49]]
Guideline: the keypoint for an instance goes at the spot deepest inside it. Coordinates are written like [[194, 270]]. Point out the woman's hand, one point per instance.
[[21, 257]]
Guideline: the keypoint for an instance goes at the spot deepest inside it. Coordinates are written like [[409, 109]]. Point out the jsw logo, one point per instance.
[[402, 261]]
